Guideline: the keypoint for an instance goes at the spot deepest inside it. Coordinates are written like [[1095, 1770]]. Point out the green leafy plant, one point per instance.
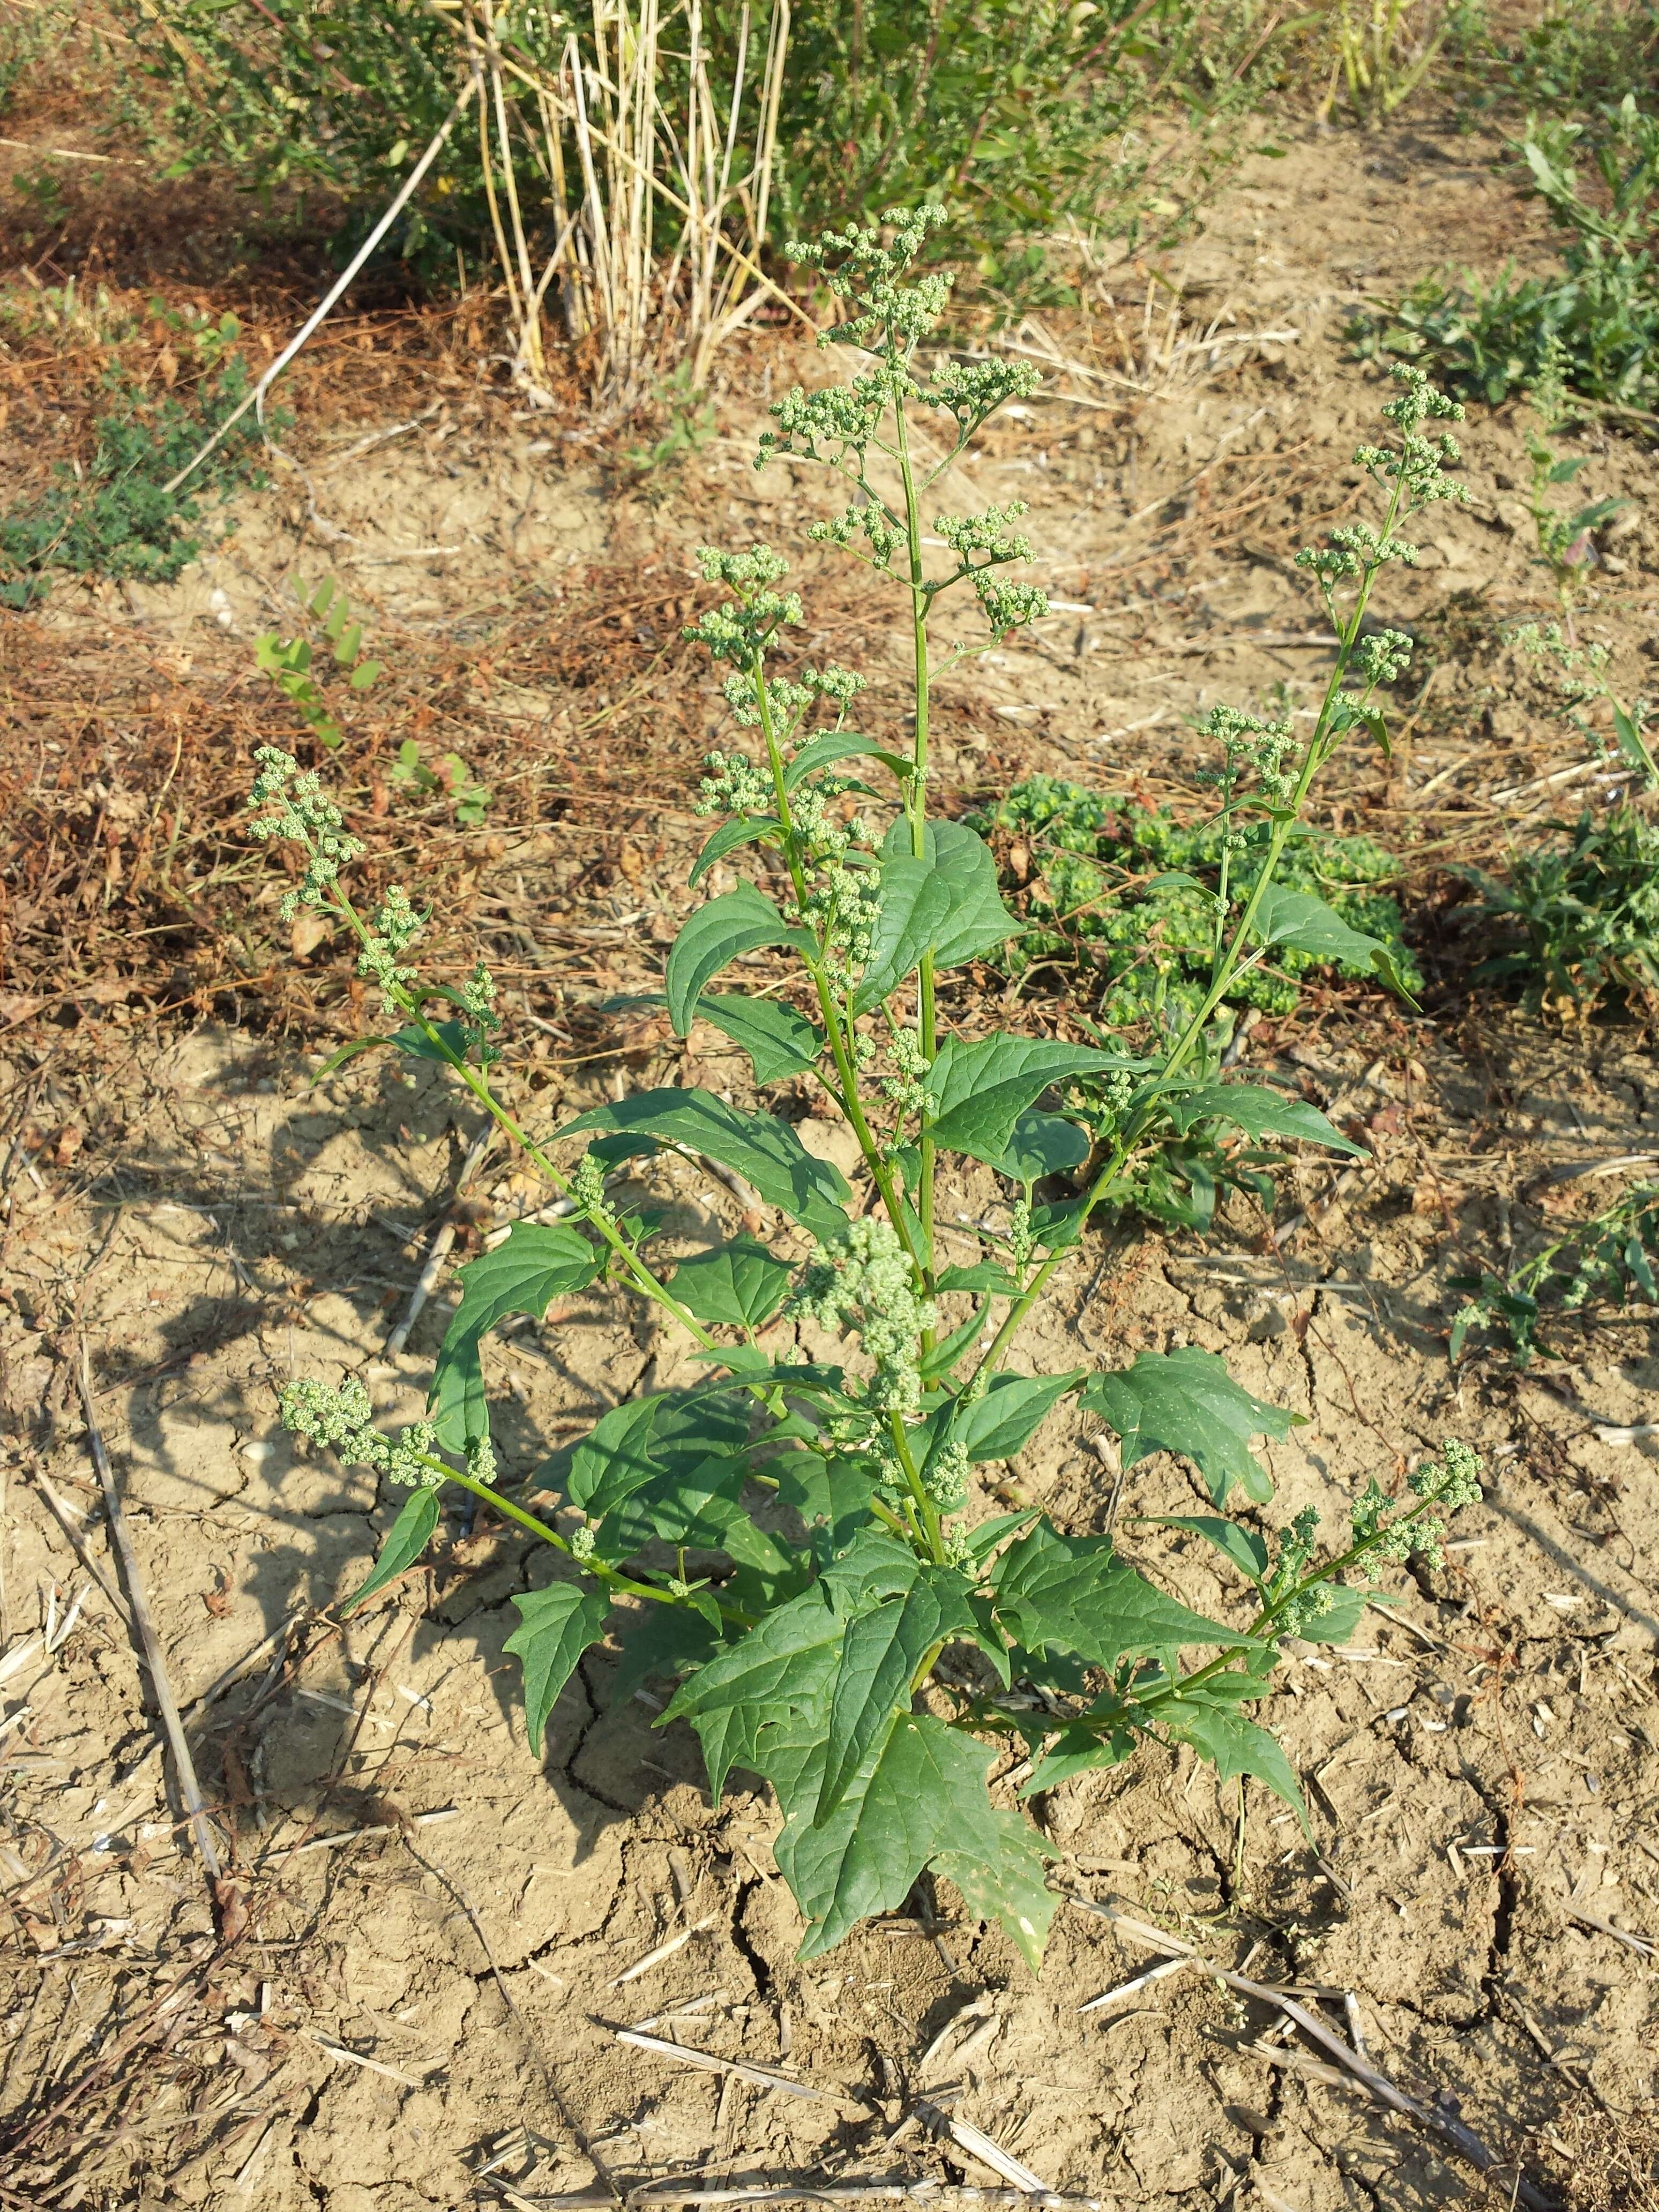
[[1579, 54], [1578, 921], [786, 1538], [291, 663], [688, 420], [1596, 326], [115, 517], [1105, 885], [1566, 536], [450, 778], [1611, 1259]]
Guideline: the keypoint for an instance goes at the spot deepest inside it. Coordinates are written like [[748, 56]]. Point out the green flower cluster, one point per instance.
[[866, 1283], [343, 1419], [289, 803]]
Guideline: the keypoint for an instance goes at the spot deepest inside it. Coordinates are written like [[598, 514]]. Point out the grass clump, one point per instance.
[[1595, 325], [1109, 885]]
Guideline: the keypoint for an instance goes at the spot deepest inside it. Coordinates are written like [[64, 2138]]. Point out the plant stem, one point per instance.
[[915, 807], [624, 1584]]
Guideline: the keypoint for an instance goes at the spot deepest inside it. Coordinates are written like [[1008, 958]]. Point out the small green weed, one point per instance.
[[1580, 54], [291, 663], [113, 518], [1131, 894], [1566, 536], [689, 423], [1609, 1260], [450, 778], [1581, 919], [1595, 327]]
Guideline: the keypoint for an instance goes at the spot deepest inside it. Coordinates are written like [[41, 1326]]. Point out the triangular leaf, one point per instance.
[[537, 1262], [729, 838], [407, 1538], [1010, 1887], [558, 1624], [765, 1151], [880, 1653], [778, 1041], [1236, 1745], [978, 919], [838, 745], [780, 1672], [977, 1091], [916, 902], [1185, 1402], [996, 1425], [668, 1643], [1259, 1112], [1075, 1592], [740, 920], [1242, 1546], [1041, 1145], [740, 1284]]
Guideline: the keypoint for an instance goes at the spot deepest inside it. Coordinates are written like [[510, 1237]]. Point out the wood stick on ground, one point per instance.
[[949, 2198], [166, 1705], [442, 1239], [966, 2137], [763, 2077], [1463, 2140]]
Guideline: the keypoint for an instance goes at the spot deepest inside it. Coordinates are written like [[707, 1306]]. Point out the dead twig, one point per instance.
[[166, 1705]]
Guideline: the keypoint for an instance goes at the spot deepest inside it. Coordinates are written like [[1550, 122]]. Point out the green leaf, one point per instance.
[[978, 919], [1075, 1591], [1011, 1887], [1347, 1609], [407, 1538], [740, 920], [945, 1355], [921, 1797], [1185, 1402], [729, 838], [418, 1045], [1259, 1112], [667, 1643], [637, 1442], [778, 1041], [996, 1425], [1077, 1750], [558, 1624], [984, 1539], [985, 1275], [832, 1497], [916, 902], [1633, 744], [880, 1653], [740, 1284], [978, 1092], [1306, 924], [1236, 1745], [778, 1673], [1242, 1546], [1041, 1145], [838, 745], [765, 1151], [537, 1263]]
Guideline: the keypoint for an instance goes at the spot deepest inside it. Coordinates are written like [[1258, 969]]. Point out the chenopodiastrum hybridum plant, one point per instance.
[[787, 1539]]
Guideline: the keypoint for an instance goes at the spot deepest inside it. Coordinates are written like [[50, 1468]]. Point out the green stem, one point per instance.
[[924, 1508], [624, 1584], [915, 807]]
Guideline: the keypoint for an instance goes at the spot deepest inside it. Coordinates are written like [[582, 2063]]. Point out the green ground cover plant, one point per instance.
[[1610, 1260], [1577, 917], [112, 517], [1595, 326], [1131, 894], [788, 1539]]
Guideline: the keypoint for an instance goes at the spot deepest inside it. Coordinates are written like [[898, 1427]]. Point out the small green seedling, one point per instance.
[[451, 779], [795, 1540], [1612, 1259], [289, 661]]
